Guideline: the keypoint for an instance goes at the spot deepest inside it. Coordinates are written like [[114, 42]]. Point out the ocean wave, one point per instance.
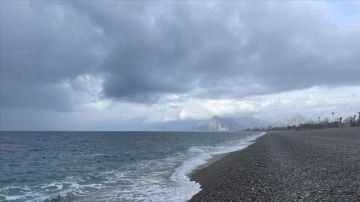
[[160, 179], [167, 179], [56, 190]]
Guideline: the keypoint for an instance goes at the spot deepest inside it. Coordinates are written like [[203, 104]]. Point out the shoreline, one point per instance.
[[208, 163], [286, 166], [218, 157]]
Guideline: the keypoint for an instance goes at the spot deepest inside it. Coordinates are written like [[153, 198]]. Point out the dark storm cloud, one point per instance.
[[43, 46], [147, 50], [226, 50]]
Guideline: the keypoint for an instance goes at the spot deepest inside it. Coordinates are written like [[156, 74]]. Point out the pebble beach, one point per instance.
[[313, 165]]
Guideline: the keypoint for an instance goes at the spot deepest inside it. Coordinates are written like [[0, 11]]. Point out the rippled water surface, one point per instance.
[[112, 166]]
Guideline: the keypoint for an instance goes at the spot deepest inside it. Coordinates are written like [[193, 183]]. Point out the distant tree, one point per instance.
[[340, 122], [326, 120], [349, 120], [332, 116]]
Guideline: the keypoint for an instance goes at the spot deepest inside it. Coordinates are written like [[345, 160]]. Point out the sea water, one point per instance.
[[108, 166]]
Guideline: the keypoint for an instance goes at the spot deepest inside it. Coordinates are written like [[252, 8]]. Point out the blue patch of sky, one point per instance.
[[345, 12]]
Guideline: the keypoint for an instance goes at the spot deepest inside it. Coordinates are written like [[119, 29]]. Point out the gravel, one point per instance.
[[314, 165]]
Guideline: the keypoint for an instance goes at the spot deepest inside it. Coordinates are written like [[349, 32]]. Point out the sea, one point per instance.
[[108, 166]]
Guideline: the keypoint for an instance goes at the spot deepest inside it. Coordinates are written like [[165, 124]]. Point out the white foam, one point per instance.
[[166, 179], [52, 190], [50, 186], [188, 188], [148, 180]]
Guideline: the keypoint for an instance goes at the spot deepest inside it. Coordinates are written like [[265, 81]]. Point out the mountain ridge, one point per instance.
[[217, 123]]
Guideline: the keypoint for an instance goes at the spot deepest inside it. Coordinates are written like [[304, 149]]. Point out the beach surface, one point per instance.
[[313, 165]]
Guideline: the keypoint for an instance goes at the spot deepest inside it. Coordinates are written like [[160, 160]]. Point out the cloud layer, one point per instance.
[[223, 50], [60, 55]]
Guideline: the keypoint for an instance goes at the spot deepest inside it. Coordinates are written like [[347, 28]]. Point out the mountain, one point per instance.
[[220, 124], [251, 122], [216, 123], [296, 120], [175, 125]]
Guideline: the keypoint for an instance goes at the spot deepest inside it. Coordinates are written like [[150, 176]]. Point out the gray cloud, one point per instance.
[[42, 47], [144, 50], [227, 50]]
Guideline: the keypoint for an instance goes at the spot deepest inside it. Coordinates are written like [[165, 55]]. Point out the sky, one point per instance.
[[115, 65]]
